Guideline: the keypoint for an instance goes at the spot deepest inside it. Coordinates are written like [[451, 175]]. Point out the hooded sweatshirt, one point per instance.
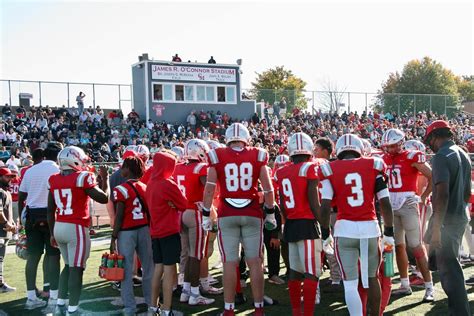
[[161, 189]]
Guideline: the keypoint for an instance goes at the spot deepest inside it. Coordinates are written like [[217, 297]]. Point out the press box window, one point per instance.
[[210, 97], [179, 92], [189, 93], [200, 93], [221, 94], [157, 92]]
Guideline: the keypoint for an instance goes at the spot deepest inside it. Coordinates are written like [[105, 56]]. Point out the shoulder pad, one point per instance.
[[213, 157], [122, 190], [81, 178], [378, 163], [326, 169], [262, 155], [304, 169], [197, 169]]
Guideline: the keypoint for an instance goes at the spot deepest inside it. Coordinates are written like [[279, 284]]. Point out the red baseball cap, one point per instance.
[[4, 171], [436, 125]]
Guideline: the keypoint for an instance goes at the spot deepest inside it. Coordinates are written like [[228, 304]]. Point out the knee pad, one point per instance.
[[419, 252]]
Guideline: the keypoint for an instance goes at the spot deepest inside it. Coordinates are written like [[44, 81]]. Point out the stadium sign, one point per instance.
[[191, 73]]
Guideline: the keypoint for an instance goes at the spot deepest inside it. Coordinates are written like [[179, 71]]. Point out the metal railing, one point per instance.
[[113, 96], [58, 93]]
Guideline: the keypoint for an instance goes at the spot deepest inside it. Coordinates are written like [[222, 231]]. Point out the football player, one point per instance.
[[14, 188], [299, 203], [403, 168], [237, 169], [191, 178], [352, 182], [69, 219]]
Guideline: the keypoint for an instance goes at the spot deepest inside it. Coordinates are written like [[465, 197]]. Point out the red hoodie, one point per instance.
[[161, 189]]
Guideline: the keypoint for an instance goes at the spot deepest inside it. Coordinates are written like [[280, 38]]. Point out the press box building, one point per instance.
[[169, 91]]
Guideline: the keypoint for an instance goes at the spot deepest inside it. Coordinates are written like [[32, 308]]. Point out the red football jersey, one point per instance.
[[23, 170], [72, 202], [353, 183], [187, 176], [402, 176], [134, 214], [293, 188], [237, 175], [14, 188]]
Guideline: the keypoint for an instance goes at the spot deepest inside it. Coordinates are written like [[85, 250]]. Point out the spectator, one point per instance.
[[6, 111], [80, 101], [211, 61], [176, 58], [13, 161]]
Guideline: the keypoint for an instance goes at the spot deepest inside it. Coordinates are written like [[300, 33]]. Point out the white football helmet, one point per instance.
[[131, 148], [237, 132], [179, 151], [73, 158], [214, 144], [143, 152], [300, 144], [349, 142], [196, 149], [367, 147], [280, 161], [392, 136], [414, 145]]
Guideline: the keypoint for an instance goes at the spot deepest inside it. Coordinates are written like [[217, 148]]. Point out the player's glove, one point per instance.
[[206, 223], [327, 241], [270, 222], [388, 240]]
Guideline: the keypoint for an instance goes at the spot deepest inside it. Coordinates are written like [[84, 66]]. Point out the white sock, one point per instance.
[[61, 302], [195, 290], [31, 294], [204, 282], [72, 309], [353, 302], [53, 294], [258, 304], [229, 306], [429, 285], [186, 287], [405, 282]]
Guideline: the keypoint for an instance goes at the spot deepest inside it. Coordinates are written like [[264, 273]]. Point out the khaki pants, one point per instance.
[[348, 253], [74, 243], [305, 256], [406, 220], [236, 230]]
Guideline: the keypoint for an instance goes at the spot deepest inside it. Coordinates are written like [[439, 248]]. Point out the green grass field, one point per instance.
[[98, 297]]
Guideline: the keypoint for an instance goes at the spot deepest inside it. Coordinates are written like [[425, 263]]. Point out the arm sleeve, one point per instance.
[[440, 170], [174, 194], [90, 181], [418, 157], [118, 195], [312, 173]]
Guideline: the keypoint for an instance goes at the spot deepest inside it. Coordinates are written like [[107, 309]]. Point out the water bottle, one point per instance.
[[103, 262], [120, 261], [111, 261], [388, 261]]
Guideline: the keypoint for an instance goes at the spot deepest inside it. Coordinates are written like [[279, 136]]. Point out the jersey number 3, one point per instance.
[[355, 181], [238, 176]]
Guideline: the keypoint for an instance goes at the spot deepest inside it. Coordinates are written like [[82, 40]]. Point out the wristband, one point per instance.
[[205, 211], [325, 232], [388, 231], [269, 210]]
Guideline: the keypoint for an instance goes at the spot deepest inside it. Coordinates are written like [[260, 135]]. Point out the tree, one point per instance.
[[466, 88], [409, 91], [275, 83], [332, 96]]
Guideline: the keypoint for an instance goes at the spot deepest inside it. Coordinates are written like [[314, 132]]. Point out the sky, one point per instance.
[[353, 44]]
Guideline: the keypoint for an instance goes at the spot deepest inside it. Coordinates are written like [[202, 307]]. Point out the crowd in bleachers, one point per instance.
[[104, 136]]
